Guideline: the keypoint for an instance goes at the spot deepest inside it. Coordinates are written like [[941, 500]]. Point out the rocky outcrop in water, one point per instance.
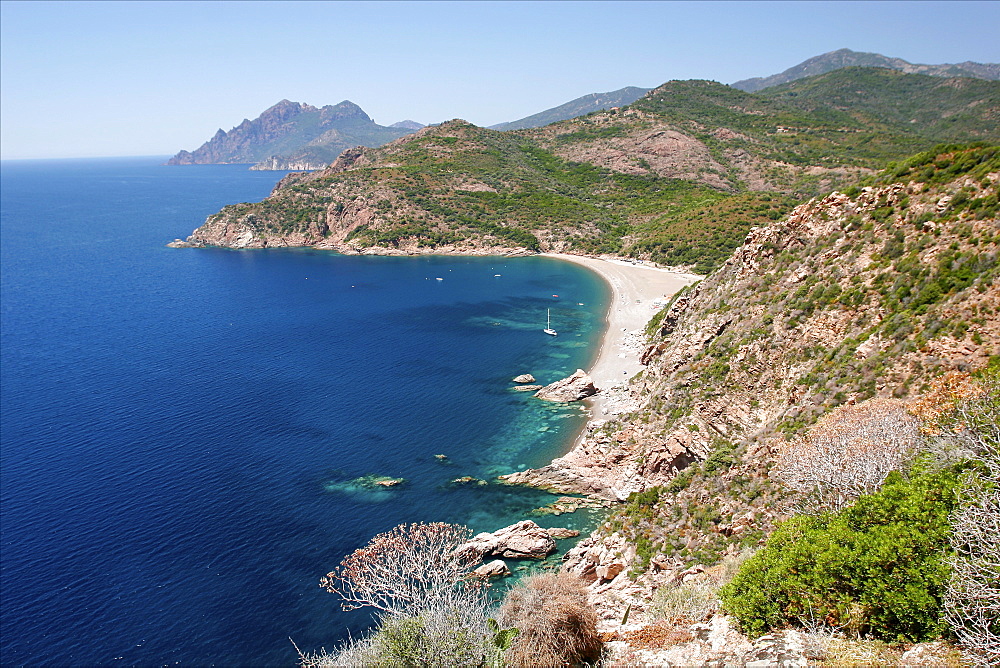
[[524, 540], [573, 388]]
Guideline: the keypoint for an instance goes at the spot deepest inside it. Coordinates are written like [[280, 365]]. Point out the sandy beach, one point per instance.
[[638, 291]]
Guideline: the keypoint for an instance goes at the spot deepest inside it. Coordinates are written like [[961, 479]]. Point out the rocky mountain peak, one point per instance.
[[292, 135]]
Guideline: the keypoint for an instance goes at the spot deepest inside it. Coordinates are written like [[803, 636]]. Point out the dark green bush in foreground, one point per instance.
[[876, 568]]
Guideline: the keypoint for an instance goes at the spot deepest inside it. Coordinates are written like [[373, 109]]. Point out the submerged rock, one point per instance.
[[575, 387], [468, 480], [527, 388], [375, 481]]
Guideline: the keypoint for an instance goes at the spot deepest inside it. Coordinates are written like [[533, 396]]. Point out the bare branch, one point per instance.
[[409, 567], [972, 602], [848, 453]]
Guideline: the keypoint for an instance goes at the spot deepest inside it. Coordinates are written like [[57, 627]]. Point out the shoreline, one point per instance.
[[638, 291]]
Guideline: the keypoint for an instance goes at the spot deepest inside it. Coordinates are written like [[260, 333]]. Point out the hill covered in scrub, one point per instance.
[[578, 107], [678, 177]]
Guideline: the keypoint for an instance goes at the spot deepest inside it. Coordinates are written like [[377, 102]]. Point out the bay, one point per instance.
[[183, 429]]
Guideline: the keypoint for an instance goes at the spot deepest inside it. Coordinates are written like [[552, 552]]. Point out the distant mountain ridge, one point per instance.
[[292, 135], [840, 58], [408, 125], [578, 107]]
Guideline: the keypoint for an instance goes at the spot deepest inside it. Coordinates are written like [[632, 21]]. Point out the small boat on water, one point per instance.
[[548, 324]]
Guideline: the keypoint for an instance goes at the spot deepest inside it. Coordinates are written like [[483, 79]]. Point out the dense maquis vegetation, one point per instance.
[[877, 567], [604, 183], [955, 109]]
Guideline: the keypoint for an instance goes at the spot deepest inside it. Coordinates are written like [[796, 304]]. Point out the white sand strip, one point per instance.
[[637, 290]]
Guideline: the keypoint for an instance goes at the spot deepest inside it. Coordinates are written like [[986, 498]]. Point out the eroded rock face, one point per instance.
[[575, 387], [606, 465]]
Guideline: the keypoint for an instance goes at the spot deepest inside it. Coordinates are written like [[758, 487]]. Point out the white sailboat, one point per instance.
[[548, 324]]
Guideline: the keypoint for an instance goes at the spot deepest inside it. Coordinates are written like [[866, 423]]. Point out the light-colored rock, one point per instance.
[[931, 654], [494, 569], [783, 648], [524, 378], [527, 388], [559, 532], [573, 388], [524, 540], [610, 571], [468, 480]]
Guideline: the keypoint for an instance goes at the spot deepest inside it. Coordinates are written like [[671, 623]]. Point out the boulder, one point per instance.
[[494, 569], [524, 540], [524, 378], [610, 571], [526, 388], [559, 533], [575, 387]]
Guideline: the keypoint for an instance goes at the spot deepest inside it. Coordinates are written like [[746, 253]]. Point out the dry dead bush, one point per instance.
[[558, 626], [849, 452], [655, 636], [969, 411], [686, 603], [408, 568]]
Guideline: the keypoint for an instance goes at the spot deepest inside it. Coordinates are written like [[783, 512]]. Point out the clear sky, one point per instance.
[[81, 79]]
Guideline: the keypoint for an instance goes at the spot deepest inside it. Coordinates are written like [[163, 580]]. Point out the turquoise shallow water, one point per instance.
[[182, 429]]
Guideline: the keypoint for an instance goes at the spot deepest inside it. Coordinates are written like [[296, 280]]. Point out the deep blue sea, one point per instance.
[[182, 429]]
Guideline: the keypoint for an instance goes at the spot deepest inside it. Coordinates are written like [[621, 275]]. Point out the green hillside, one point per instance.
[[958, 109], [678, 177]]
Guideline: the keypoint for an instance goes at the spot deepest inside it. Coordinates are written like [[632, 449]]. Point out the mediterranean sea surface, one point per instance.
[[184, 430]]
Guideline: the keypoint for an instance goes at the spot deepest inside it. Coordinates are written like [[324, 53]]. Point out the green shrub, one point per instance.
[[877, 568]]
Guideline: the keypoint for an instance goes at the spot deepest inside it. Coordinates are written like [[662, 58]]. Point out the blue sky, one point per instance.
[[83, 79]]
